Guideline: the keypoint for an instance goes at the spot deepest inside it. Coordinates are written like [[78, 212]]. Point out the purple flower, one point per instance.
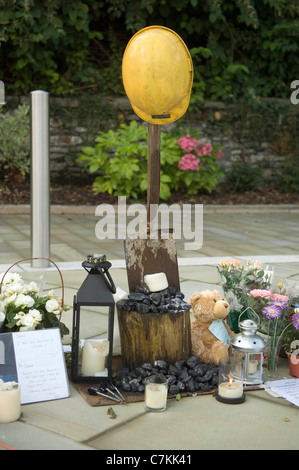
[[279, 303], [272, 311], [296, 320]]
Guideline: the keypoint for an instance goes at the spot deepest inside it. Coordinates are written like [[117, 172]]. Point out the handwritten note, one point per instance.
[[285, 388], [40, 365]]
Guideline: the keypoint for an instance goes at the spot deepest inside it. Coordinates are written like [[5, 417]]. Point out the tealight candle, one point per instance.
[[230, 389], [156, 391], [10, 402], [94, 356]]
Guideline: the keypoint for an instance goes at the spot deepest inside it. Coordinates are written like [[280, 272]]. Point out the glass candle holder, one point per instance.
[[156, 391], [230, 389], [10, 402]]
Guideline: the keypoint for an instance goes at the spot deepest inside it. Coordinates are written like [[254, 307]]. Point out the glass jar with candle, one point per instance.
[[10, 401], [230, 390], [156, 391]]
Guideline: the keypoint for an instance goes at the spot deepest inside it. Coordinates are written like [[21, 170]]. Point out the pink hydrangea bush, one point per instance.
[[200, 164]]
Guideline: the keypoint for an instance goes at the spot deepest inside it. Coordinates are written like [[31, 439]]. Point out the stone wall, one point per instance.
[[265, 135]]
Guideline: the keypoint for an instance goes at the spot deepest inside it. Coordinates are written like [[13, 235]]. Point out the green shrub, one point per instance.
[[120, 158], [244, 177], [15, 142], [289, 177]]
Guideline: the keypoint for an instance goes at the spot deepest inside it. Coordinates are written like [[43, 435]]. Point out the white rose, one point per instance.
[[15, 287], [24, 301], [19, 316], [35, 314], [52, 305], [26, 322], [31, 287], [10, 278], [9, 299]]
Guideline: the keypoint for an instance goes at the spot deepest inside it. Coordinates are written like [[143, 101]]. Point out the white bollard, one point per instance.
[[40, 178]]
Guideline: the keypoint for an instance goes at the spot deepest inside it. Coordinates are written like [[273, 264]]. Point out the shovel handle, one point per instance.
[[153, 175]]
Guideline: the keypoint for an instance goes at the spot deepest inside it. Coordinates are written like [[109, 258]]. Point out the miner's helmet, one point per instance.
[[157, 74]]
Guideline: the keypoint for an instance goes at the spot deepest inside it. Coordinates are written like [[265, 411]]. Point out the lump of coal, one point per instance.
[[143, 288], [192, 362], [160, 364], [165, 301], [137, 297], [187, 375]]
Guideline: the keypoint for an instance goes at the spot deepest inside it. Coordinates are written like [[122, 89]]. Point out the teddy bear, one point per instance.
[[210, 335]]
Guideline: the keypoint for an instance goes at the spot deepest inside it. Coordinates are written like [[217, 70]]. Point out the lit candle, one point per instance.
[[156, 396], [230, 389], [93, 357], [10, 402]]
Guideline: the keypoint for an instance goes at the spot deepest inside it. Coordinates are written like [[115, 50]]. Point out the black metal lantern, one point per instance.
[[91, 353]]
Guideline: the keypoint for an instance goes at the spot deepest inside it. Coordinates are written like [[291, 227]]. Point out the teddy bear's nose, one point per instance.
[[225, 304]]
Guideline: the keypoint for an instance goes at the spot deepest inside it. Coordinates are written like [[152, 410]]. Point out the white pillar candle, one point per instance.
[[10, 402], [230, 389], [93, 357], [156, 282], [156, 396]]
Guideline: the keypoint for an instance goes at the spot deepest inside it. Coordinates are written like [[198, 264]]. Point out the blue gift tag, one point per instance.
[[218, 329]]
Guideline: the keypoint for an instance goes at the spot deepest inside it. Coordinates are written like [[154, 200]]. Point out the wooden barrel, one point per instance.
[[147, 337]]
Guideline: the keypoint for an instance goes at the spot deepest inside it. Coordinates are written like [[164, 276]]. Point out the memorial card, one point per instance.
[[35, 359]]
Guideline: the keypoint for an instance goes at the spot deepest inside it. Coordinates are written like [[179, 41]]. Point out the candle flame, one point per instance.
[[230, 378]]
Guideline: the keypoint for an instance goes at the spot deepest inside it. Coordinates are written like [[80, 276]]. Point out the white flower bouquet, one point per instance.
[[24, 308]]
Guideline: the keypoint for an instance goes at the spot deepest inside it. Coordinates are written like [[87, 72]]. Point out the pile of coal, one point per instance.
[[144, 301], [188, 375]]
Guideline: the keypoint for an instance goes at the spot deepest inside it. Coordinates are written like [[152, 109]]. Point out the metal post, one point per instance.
[[40, 178]]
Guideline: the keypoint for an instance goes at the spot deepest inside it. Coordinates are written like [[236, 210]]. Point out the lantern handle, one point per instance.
[[107, 277], [252, 311], [102, 268]]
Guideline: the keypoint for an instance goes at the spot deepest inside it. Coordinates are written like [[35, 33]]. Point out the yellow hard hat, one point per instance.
[[157, 74]]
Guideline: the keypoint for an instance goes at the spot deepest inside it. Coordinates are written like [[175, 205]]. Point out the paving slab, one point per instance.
[[262, 422]]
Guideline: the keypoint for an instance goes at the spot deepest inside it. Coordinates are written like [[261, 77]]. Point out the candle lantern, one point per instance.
[[91, 352], [249, 346]]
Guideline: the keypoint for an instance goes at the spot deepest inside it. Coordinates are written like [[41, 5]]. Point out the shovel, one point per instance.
[[146, 255]]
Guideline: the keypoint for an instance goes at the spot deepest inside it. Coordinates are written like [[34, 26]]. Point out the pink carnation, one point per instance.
[[219, 154], [189, 162], [260, 293], [282, 298]]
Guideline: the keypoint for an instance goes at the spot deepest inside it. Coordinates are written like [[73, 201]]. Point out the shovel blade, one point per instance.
[[150, 256]]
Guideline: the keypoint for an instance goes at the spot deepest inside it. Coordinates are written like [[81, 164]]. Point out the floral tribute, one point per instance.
[[200, 164], [236, 279], [276, 316], [269, 305], [24, 308]]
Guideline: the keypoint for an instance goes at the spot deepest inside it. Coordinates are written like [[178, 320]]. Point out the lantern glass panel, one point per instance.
[[252, 368], [93, 342]]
